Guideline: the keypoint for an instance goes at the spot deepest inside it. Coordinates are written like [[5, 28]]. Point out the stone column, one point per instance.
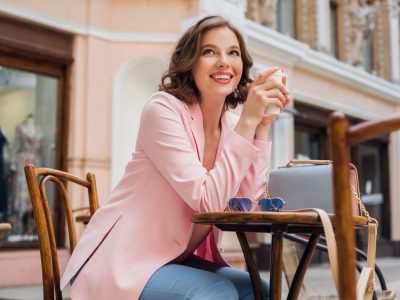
[[306, 22], [263, 12], [381, 40], [394, 171], [385, 40], [395, 37]]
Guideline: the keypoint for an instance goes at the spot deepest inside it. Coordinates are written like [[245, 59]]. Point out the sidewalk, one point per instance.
[[318, 281]]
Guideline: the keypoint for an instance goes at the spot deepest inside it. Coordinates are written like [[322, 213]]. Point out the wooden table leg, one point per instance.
[[275, 291], [251, 267], [298, 278]]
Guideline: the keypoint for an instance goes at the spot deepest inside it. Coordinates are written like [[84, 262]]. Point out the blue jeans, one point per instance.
[[198, 279]]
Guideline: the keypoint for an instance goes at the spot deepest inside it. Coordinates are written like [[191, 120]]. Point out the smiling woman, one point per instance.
[[190, 47], [142, 244]]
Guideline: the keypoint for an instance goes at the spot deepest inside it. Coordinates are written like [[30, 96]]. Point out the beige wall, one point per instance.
[[96, 64], [117, 15]]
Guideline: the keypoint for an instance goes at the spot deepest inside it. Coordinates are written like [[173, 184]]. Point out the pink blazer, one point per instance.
[[146, 221]]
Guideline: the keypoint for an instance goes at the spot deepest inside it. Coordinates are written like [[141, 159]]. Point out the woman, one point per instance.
[[191, 155]]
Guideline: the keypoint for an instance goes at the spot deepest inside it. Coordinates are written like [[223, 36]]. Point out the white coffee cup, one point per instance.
[[272, 111]]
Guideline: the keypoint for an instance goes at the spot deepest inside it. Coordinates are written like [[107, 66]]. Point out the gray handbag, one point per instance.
[[308, 183]]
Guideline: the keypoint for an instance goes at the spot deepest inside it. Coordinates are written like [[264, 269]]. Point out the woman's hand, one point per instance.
[[266, 121], [262, 92]]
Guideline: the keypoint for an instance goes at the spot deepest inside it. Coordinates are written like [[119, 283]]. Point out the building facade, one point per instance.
[[74, 76]]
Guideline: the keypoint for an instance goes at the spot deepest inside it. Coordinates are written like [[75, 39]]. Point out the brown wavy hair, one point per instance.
[[178, 79]]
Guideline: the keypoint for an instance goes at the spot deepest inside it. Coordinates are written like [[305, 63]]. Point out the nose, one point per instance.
[[223, 61]]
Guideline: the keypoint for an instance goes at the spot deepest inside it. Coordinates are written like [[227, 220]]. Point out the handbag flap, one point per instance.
[[305, 186]]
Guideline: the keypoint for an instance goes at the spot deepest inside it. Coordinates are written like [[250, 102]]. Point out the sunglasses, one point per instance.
[[264, 204]]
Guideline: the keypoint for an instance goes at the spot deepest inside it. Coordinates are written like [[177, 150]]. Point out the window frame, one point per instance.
[[29, 47]]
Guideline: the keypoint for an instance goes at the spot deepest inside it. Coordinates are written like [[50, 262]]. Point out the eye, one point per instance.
[[235, 52], [207, 51]]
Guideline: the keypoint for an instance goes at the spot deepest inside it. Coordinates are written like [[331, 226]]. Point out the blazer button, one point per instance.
[[221, 250]]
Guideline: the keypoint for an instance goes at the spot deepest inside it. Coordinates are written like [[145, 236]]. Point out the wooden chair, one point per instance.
[[37, 178], [341, 138], [5, 227]]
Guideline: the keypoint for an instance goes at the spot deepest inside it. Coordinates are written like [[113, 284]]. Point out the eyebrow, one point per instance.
[[213, 46]]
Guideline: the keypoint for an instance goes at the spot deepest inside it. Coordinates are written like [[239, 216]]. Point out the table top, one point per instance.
[[263, 221], [4, 227]]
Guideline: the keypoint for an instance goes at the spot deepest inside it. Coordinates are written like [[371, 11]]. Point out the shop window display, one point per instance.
[[28, 106]]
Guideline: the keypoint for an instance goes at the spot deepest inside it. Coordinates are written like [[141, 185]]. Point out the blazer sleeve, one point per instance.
[[163, 137], [254, 183]]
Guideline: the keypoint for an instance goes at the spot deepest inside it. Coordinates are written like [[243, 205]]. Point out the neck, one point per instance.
[[212, 111]]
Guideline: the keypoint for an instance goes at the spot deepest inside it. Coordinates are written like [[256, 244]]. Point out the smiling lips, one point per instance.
[[222, 77]]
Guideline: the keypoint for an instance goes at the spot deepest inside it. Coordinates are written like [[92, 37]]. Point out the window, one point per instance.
[[34, 64], [28, 109], [310, 133], [367, 55], [286, 17], [370, 158]]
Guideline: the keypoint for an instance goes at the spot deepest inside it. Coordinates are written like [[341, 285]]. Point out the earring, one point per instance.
[[236, 93]]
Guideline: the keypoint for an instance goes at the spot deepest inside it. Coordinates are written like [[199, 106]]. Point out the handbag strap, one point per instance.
[[330, 240], [293, 162], [366, 281]]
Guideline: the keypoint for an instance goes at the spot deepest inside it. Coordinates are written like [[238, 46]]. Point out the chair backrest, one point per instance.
[[341, 138], [37, 178]]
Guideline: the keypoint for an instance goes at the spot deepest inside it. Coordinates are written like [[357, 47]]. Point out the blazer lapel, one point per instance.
[[226, 127], [196, 126]]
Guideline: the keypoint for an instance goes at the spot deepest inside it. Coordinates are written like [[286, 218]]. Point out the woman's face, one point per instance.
[[218, 69]]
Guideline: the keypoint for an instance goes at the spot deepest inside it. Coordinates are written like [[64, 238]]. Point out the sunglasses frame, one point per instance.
[[272, 207]]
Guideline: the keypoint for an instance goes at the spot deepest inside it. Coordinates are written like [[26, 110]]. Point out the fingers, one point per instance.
[[274, 97], [260, 77], [272, 85]]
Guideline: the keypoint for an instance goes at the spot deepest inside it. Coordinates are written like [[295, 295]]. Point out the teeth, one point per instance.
[[222, 77]]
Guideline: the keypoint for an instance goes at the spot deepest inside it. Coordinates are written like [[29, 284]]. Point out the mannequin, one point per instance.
[[27, 148]]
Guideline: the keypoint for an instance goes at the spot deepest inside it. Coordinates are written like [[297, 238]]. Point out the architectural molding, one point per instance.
[[81, 162], [21, 12], [270, 44], [332, 104]]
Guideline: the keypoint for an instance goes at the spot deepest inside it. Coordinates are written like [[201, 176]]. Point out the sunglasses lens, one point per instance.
[[270, 204], [239, 204], [277, 202], [264, 204]]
